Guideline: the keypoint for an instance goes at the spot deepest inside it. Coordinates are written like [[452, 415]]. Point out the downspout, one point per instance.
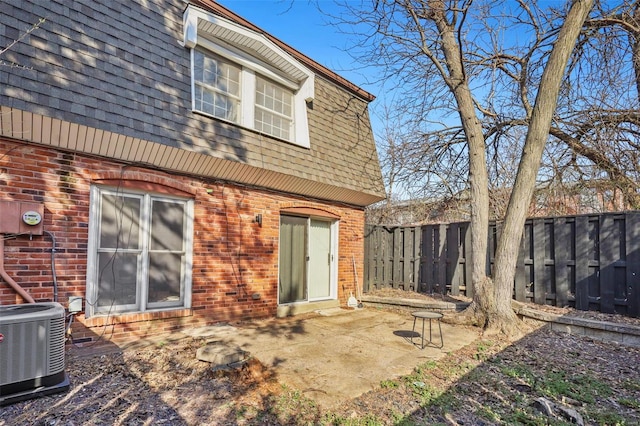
[[26, 296]]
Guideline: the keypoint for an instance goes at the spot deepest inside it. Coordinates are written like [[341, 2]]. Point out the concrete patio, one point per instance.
[[336, 354]]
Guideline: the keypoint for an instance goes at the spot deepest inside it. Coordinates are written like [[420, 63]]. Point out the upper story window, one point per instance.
[[216, 87], [240, 76], [274, 109], [222, 88]]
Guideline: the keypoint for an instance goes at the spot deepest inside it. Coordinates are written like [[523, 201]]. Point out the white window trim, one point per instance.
[[296, 77], [92, 253]]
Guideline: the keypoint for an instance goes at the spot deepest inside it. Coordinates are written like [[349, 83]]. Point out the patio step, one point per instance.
[[304, 308], [413, 303]]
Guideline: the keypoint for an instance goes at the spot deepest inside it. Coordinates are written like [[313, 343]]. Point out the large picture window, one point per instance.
[[139, 252]]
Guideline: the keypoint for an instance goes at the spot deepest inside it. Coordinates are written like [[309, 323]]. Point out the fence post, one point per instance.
[[396, 255], [407, 259], [632, 222]]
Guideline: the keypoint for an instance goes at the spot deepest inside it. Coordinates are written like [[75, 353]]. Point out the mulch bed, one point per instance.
[[493, 381]]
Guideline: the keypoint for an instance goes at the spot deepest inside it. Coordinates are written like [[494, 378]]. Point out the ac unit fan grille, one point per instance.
[[56, 348]]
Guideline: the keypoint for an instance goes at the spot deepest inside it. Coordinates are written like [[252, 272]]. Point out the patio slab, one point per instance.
[[337, 354]]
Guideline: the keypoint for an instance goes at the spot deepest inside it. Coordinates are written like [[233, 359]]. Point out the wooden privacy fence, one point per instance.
[[590, 262]]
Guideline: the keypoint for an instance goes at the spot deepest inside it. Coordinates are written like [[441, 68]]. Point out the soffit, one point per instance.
[[316, 67], [217, 29], [26, 126]]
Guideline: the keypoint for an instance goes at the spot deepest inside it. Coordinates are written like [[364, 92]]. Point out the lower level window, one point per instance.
[[139, 252]]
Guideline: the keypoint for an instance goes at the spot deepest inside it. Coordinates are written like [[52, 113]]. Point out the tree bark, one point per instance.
[[537, 135], [634, 41], [483, 303]]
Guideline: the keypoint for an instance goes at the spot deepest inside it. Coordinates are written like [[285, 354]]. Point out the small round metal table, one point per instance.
[[427, 315]]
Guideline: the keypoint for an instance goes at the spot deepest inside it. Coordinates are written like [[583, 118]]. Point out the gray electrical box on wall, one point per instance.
[[75, 304], [17, 217]]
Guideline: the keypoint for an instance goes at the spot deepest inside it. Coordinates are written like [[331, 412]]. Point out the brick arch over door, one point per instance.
[[310, 211]]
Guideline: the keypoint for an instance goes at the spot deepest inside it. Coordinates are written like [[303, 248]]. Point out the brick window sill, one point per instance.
[[128, 318]]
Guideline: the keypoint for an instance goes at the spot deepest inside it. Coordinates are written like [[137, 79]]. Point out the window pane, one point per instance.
[[120, 224], [292, 269], [273, 97], [217, 86], [165, 277], [272, 124], [274, 109], [144, 259], [117, 278], [167, 225]]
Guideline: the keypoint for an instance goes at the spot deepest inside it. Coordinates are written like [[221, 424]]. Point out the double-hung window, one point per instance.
[[238, 94], [139, 252], [274, 109], [245, 78], [217, 86]]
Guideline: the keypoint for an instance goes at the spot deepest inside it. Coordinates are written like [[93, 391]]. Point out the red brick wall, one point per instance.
[[233, 257]]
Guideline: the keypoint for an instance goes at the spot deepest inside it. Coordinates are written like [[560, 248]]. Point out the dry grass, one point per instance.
[[491, 381]]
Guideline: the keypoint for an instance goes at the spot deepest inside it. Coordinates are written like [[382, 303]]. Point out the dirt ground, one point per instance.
[[482, 381]]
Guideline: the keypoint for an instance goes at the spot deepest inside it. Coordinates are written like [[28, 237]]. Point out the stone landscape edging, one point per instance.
[[624, 334], [415, 303]]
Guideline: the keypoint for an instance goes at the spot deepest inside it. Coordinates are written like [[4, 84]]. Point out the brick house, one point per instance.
[[190, 169]]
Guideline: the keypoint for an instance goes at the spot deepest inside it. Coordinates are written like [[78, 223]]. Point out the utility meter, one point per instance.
[[31, 218]]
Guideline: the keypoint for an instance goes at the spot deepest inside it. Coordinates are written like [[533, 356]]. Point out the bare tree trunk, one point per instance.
[[483, 304], [634, 41], [537, 135]]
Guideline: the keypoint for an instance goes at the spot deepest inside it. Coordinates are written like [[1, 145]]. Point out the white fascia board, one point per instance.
[[190, 21], [190, 28]]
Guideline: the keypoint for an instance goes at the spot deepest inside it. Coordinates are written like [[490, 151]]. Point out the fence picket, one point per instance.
[[539, 285], [607, 259], [561, 239], [520, 284], [582, 263], [587, 261], [468, 261], [633, 263], [453, 256]]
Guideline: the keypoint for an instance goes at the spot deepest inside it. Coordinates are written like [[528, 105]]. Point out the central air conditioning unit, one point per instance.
[[31, 351]]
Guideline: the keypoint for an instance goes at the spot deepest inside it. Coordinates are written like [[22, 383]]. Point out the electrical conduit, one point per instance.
[[53, 264], [22, 292]]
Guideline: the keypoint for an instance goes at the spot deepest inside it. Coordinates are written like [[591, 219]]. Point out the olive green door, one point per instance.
[[306, 257]]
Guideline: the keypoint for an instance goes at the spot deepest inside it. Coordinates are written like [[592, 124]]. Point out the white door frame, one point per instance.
[[333, 264]]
